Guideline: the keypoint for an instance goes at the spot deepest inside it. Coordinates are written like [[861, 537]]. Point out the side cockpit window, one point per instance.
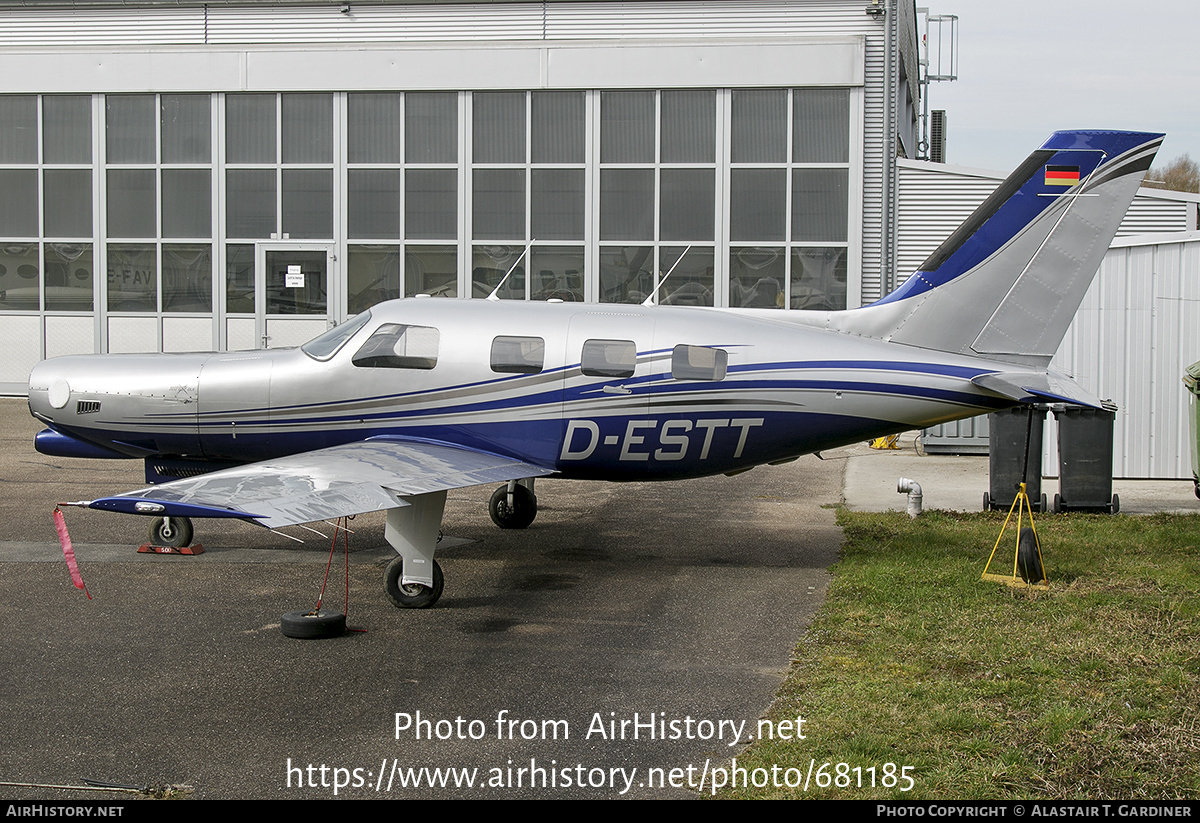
[[608, 358], [699, 363], [518, 355], [396, 346]]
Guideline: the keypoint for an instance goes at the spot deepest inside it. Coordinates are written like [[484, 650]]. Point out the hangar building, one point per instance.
[[185, 176]]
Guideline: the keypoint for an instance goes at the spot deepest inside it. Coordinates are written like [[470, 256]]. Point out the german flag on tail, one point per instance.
[[1062, 175]]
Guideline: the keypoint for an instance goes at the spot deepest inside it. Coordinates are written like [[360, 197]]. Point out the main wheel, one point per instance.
[[1029, 559], [171, 532], [517, 516], [411, 595], [310, 625]]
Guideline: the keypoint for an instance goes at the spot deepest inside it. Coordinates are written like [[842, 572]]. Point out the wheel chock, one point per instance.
[[1028, 569], [146, 548]]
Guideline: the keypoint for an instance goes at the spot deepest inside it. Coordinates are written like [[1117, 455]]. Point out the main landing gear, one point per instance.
[[513, 505], [414, 580]]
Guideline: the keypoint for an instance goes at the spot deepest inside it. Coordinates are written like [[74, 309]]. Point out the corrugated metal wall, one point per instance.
[[935, 198], [1136, 331], [269, 23]]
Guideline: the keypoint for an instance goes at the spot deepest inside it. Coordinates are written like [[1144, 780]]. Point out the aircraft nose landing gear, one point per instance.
[[171, 532], [513, 506]]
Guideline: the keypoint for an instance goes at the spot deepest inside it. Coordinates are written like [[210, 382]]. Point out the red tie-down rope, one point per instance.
[[338, 528], [60, 524]]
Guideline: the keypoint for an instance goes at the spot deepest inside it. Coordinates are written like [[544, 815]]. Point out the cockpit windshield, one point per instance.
[[326, 345]]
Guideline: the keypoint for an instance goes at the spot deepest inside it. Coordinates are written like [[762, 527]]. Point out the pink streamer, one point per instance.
[[60, 524]]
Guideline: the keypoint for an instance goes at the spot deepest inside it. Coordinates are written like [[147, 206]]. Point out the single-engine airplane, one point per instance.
[[414, 397]]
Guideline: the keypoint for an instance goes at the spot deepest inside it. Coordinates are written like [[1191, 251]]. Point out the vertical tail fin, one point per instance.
[[1007, 283]]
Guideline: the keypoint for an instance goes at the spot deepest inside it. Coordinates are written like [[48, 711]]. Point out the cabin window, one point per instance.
[[396, 346], [699, 363], [608, 358], [518, 355]]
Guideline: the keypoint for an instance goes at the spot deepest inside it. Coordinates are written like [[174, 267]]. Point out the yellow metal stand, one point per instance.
[[1021, 505], [889, 442]]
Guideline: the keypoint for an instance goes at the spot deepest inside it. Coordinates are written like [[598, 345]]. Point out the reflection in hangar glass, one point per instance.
[[19, 276], [608, 358], [698, 363], [285, 298], [397, 346], [518, 355], [69, 277]]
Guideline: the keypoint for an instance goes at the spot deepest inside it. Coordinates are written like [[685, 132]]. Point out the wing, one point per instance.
[[342, 480]]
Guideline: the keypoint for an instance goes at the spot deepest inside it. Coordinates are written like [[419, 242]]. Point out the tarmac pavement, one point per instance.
[[676, 602]]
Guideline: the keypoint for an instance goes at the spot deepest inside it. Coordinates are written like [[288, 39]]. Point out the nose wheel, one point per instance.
[[171, 532]]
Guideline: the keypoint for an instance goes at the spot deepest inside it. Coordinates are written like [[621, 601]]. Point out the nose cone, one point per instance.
[[117, 392], [50, 385]]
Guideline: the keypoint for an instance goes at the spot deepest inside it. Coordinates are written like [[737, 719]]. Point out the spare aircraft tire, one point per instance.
[[310, 625], [1029, 559]]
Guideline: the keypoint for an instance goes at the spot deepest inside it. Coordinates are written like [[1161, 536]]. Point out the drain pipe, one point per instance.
[[913, 489]]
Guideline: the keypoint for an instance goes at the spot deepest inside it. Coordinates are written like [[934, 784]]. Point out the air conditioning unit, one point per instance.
[[937, 135]]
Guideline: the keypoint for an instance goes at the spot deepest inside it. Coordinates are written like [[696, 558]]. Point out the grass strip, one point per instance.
[[1086, 690]]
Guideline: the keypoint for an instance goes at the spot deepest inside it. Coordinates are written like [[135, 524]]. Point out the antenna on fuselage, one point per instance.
[[649, 301], [517, 262]]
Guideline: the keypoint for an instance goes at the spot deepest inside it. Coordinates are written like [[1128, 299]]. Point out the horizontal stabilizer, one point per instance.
[[1039, 387]]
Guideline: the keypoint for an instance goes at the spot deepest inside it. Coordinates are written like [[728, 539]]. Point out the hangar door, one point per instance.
[[292, 286]]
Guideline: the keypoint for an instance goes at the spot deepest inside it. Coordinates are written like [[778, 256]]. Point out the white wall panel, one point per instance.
[[21, 347], [132, 334], [188, 334], [70, 335], [834, 62], [239, 334], [121, 71]]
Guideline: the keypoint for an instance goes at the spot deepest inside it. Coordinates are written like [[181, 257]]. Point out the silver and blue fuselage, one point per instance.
[[787, 389]]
